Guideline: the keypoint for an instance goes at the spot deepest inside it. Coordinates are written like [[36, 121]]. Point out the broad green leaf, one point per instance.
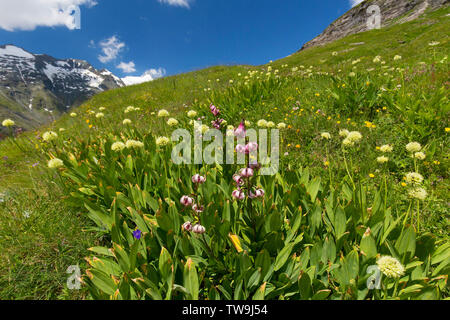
[[191, 279], [283, 256]]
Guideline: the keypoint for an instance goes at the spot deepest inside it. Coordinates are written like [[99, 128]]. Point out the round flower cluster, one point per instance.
[[131, 109], [134, 144], [172, 122], [117, 146], [386, 148], [354, 136], [49, 136], [262, 123], [377, 59], [325, 135], [413, 178], [382, 159], [202, 129], [390, 267], [8, 123], [73, 114], [281, 125], [413, 147], [162, 141], [343, 133], [55, 163], [192, 114], [100, 115], [163, 113], [126, 122], [351, 138], [420, 155], [418, 193]]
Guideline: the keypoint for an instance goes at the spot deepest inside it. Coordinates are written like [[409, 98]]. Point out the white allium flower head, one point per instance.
[[413, 147], [390, 267]]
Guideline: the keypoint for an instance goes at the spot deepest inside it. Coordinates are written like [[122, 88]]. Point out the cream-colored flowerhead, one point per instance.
[[344, 133], [134, 144], [420, 155], [418, 193], [262, 123], [413, 178], [270, 124], [347, 142], [413, 147], [192, 114], [163, 113], [204, 128], [382, 159], [49, 136], [172, 122], [8, 123], [162, 141], [390, 267], [354, 136], [386, 148], [117, 146], [55, 163], [130, 109]]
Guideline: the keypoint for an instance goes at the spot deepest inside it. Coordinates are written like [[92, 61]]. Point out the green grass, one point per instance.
[[40, 237], [36, 251]]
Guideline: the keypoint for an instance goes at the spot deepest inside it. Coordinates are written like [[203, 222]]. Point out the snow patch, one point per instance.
[[16, 52]]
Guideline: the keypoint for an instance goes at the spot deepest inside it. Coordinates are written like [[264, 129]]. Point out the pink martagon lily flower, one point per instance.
[[215, 111], [240, 131]]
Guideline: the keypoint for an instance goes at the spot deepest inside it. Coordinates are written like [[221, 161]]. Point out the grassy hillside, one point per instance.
[[396, 99]]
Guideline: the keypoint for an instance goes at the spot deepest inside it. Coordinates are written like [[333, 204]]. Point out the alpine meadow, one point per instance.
[[93, 204]]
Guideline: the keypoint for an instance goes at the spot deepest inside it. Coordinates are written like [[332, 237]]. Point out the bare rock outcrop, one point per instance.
[[391, 12]]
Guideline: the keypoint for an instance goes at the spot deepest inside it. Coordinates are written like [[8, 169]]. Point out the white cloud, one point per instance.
[[148, 75], [110, 49], [29, 14], [127, 67], [354, 3], [178, 3]]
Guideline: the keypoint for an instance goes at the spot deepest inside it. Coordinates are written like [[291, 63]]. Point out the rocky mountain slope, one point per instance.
[[391, 11], [36, 88]]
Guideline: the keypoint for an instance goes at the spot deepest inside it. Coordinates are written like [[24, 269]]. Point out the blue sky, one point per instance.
[[167, 36]]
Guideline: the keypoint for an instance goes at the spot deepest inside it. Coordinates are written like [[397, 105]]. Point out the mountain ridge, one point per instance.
[[36, 88]]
